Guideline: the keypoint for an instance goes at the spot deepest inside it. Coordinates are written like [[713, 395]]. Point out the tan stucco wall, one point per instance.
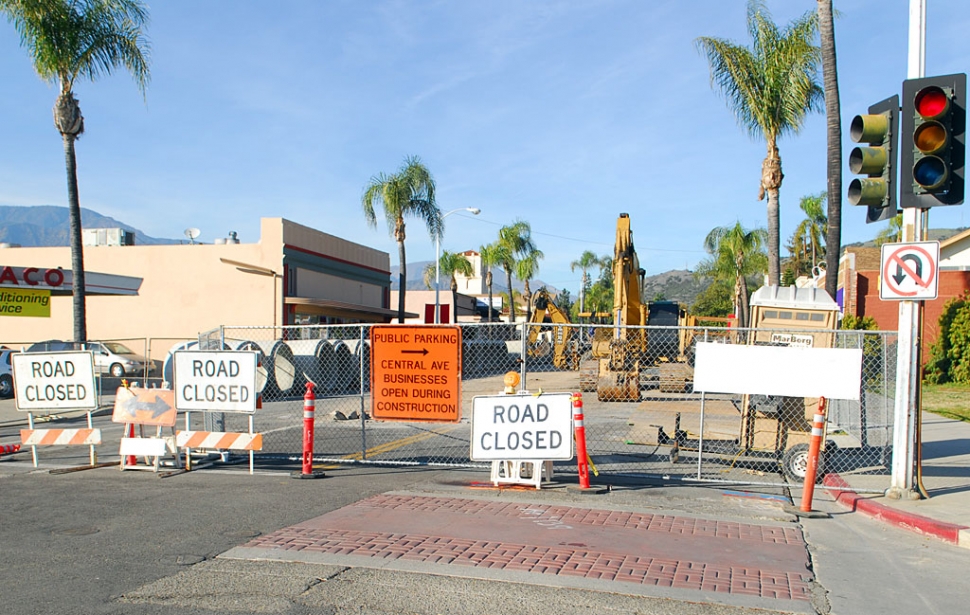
[[187, 289]]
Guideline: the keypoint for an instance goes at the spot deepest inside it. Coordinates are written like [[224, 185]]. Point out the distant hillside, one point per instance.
[[49, 225], [933, 234], [679, 285], [416, 279]]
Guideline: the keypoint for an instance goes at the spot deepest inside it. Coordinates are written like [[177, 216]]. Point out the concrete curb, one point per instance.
[[949, 532]]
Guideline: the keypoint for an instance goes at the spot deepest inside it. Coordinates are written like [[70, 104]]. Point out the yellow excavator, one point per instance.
[[564, 352], [612, 366]]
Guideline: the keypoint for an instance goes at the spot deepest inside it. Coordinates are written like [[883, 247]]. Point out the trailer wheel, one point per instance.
[[794, 464]]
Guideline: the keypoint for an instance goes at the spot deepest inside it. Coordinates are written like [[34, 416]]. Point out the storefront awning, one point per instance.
[[327, 307], [61, 281]]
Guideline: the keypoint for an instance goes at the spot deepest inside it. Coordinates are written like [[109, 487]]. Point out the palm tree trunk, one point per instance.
[[743, 288], [77, 251], [833, 127], [454, 300], [70, 123], [771, 177], [528, 301], [508, 276], [402, 284], [488, 283]]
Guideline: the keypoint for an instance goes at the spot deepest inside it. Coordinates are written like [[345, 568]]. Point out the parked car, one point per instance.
[[113, 358], [6, 374]]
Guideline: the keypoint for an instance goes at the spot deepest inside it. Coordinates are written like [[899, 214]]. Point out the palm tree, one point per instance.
[[736, 253], [79, 39], [770, 88], [810, 230], [587, 260], [514, 242], [525, 269], [490, 255], [450, 263], [409, 192], [892, 233], [833, 128]]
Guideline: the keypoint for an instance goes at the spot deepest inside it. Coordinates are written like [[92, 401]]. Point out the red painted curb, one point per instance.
[[950, 532]]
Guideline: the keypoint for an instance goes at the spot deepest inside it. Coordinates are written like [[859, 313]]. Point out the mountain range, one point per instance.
[[48, 225]]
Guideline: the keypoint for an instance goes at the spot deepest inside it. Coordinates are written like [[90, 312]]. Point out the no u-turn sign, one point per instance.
[[909, 271]]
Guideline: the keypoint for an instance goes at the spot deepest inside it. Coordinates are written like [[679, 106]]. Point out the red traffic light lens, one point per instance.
[[931, 102]]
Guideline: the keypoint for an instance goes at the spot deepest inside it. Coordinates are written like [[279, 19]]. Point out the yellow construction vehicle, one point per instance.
[[613, 365], [565, 354]]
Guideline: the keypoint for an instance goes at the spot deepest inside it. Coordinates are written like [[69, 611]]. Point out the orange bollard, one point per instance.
[[581, 464], [818, 428], [309, 416]]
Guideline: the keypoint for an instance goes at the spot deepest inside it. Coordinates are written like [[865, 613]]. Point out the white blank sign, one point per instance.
[[833, 373]]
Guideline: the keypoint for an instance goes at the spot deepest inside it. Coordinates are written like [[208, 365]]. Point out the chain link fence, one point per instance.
[[642, 416]]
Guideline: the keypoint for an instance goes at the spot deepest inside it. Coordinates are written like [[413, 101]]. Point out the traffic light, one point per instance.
[[934, 120], [877, 160]]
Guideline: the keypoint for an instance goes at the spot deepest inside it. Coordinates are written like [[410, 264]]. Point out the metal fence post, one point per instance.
[[523, 357]]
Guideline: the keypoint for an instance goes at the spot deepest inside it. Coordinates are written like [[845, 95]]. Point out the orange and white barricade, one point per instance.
[[89, 437], [218, 440]]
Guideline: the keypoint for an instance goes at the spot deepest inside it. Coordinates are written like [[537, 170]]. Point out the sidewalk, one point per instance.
[[945, 476]]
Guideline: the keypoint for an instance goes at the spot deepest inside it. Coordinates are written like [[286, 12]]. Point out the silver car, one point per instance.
[[6, 374], [112, 358]]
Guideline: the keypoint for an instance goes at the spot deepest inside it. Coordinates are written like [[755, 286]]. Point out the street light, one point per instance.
[[437, 260], [256, 269]]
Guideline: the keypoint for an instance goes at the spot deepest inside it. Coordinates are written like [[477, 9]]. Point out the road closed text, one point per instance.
[[221, 381], [522, 427], [54, 381]]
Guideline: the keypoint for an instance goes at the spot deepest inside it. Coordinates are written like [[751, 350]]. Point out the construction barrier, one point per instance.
[[60, 437]]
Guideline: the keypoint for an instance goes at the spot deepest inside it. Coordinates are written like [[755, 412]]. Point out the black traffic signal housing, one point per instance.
[[877, 160], [933, 148]]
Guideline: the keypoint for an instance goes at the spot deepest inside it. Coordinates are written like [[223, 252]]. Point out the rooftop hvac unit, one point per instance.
[[107, 237]]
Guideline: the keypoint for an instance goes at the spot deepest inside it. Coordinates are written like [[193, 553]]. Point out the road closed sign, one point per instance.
[[220, 381], [54, 381], [416, 373], [522, 427]]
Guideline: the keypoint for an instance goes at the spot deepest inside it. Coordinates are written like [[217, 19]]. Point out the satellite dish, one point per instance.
[[192, 233]]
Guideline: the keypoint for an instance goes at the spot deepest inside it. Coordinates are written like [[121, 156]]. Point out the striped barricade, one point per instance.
[[89, 437], [219, 440], [60, 437]]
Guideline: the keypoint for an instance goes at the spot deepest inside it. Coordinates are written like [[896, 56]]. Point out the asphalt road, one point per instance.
[[106, 541]]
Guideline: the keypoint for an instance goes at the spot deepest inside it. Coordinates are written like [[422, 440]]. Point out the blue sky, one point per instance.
[[562, 113]]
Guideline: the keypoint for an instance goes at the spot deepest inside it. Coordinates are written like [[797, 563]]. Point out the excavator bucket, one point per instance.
[[616, 385]]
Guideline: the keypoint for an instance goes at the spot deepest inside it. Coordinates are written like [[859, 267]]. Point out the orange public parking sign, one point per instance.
[[416, 373]]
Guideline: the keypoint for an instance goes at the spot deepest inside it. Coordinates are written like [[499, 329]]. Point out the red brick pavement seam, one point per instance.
[[680, 574], [583, 516], [950, 532]]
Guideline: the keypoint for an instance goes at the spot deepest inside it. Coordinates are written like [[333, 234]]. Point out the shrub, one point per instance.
[[950, 355]]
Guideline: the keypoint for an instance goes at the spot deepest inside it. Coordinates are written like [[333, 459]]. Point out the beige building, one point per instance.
[[292, 275]]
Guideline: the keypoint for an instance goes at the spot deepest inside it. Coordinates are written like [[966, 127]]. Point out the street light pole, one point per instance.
[[437, 261]]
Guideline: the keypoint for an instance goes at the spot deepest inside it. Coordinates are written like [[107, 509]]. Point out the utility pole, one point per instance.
[[902, 484]]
